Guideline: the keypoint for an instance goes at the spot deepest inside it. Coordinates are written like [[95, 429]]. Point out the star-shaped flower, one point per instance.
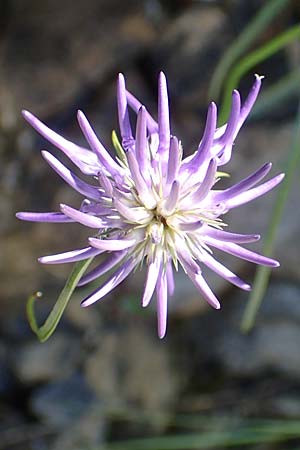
[[149, 205]]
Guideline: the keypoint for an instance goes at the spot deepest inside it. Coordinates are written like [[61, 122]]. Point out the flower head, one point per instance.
[[151, 206]]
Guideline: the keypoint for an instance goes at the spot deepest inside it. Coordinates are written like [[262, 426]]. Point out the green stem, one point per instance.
[[243, 43], [263, 273], [250, 61], [47, 329]]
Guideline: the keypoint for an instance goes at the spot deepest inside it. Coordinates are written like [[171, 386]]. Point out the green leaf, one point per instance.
[[44, 331], [250, 61]]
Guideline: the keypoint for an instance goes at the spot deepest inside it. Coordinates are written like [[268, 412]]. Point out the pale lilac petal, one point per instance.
[[124, 123], [162, 304], [132, 214], [203, 152], [206, 185], [226, 236], [71, 178], [113, 281], [95, 208], [256, 192], [112, 245], [225, 273], [141, 142], [228, 135], [163, 115], [170, 278], [70, 257], [190, 226], [83, 218], [111, 261], [151, 280], [106, 184], [243, 185], [86, 160], [136, 106], [250, 100], [174, 160], [104, 157], [204, 289], [240, 252], [142, 188], [55, 217], [172, 199]]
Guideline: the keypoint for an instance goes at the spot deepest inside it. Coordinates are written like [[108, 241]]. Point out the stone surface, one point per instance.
[[273, 345], [68, 46], [55, 359], [63, 402], [125, 364], [188, 50], [85, 432]]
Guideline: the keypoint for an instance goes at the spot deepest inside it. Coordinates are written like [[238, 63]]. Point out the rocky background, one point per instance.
[[104, 375]]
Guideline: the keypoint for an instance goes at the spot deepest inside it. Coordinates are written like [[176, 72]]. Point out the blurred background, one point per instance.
[[104, 380]]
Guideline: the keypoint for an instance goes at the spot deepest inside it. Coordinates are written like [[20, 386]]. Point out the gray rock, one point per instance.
[[189, 42], [287, 405], [63, 402], [129, 367], [68, 46], [55, 359], [273, 344], [85, 433]]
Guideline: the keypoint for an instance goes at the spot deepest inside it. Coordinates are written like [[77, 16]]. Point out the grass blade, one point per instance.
[[263, 273], [243, 43]]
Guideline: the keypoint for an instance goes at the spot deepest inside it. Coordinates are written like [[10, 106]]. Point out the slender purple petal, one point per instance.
[[83, 218], [144, 192], [190, 226], [250, 100], [106, 184], [111, 261], [173, 162], [136, 106], [104, 157], [163, 115], [226, 236], [70, 257], [172, 200], [151, 280], [112, 245], [256, 192], [240, 252], [124, 123], [225, 273], [141, 142], [162, 304], [243, 185], [71, 178], [228, 135], [205, 145], [111, 283], [86, 160], [206, 184], [170, 278], [204, 289], [132, 214], [55, 217]]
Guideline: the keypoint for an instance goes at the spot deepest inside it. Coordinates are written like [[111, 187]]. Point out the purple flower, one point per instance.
[[150, 205]]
